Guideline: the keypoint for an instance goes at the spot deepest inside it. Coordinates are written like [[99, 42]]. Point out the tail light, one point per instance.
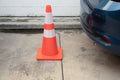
[[103, 38], [106, 40]]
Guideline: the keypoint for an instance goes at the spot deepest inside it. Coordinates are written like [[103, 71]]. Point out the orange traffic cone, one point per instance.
[[49, 50]]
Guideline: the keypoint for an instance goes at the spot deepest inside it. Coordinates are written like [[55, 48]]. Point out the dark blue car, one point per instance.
[[100, 20]]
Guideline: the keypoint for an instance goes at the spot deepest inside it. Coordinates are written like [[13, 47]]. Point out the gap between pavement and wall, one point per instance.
[[37, 22]]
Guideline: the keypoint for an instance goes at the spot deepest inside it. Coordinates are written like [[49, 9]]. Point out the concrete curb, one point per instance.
[[37, 22]]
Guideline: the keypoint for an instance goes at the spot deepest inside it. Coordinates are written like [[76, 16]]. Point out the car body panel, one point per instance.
[[102, 19]]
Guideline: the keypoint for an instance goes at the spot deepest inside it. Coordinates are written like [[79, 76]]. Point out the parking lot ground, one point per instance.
[[85, 60], [82, 58], [18, 52]]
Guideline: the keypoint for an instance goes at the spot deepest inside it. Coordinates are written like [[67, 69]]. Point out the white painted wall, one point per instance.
[[36, 7]]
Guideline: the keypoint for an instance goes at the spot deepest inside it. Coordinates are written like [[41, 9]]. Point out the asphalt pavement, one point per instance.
[[82, 58]]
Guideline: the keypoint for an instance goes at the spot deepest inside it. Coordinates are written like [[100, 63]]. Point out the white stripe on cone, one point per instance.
[[48, 18], [49, 33]]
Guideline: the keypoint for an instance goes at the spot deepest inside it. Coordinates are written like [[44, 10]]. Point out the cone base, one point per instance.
[[40, 55]]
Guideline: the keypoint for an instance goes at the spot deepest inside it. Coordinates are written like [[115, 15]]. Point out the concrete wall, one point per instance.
[[36, 7]]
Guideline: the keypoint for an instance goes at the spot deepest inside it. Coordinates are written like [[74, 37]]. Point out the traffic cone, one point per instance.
[[49, 50]]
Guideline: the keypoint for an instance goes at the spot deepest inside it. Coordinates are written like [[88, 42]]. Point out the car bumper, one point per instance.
[[104, 23], [114, 47]]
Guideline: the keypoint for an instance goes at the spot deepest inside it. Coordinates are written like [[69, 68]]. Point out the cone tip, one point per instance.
[[48, 8]]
